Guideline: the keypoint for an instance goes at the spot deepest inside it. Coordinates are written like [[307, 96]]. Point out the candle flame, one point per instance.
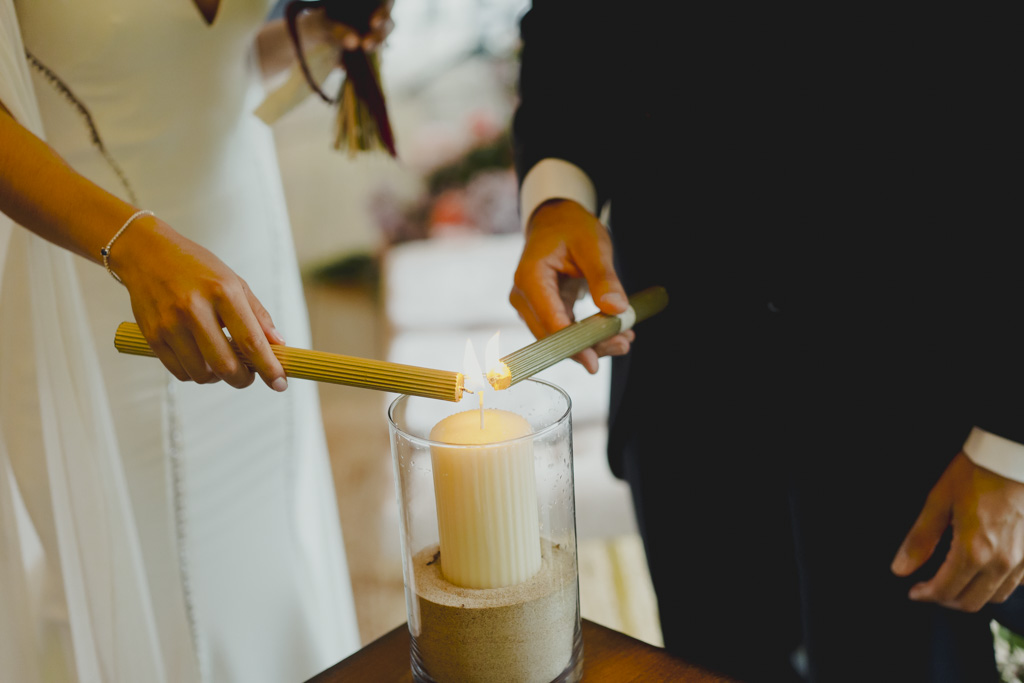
[[498, 374], [474, 381], [491, 352], [497, 377]]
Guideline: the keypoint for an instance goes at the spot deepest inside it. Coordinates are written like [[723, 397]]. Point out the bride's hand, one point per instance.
[[278, 53], [183, 297], [348, 38]]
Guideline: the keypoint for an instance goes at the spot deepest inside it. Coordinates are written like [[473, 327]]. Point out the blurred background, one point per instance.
[[448, 71], [405, 259]]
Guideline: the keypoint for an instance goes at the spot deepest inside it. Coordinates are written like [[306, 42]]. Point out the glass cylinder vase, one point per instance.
[[488, 535]]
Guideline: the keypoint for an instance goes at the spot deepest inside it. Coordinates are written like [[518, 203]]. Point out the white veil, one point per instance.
[[69, 549]]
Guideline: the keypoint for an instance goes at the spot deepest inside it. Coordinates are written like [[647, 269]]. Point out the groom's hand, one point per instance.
[[985, 562], [566, 248]]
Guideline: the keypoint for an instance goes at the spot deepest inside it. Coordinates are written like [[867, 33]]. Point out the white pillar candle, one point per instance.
[[486, 497]]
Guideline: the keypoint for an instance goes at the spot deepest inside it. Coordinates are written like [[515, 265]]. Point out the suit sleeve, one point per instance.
[[564, 81]]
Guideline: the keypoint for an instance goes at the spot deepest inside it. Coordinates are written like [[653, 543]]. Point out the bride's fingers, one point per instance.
[[187, 353], [381, 26], [222, 359], [198, 340], [247, 331], [169, 359], [263, 316]]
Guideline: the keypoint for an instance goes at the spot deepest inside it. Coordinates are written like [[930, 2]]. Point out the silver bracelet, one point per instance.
[[105, 251]]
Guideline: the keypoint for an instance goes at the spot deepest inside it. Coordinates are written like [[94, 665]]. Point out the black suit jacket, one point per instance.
[[843, 178]]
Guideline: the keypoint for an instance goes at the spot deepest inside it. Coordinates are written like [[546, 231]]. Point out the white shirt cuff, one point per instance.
[[994, 453], [555, 179]]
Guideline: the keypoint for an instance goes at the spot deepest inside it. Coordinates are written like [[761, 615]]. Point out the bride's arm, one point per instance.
[[181, 294]]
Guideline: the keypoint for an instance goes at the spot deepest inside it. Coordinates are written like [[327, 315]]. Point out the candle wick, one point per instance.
[[481, 410]]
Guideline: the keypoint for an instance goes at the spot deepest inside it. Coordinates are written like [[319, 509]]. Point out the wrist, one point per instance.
[[995, 453], [559, 212], [553, 178], [128, 253]]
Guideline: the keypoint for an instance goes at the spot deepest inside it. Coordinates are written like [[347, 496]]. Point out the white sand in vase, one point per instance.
[[524, 632]]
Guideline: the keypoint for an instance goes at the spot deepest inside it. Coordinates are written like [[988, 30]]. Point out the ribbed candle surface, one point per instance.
[[486, 498]]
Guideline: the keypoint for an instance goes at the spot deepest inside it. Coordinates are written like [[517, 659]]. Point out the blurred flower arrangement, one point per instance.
[[476, 192], [1009, 651]]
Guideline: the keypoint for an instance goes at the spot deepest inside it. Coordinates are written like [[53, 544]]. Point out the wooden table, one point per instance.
[[608, 657]]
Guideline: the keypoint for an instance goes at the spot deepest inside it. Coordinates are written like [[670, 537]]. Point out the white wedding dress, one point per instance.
[[154, 530]]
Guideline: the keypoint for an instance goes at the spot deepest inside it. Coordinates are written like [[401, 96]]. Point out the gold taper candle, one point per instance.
[[333, 368], [570, 340]]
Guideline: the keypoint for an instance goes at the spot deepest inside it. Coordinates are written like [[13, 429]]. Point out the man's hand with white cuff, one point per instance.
[[985, 562], [567, 247]]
